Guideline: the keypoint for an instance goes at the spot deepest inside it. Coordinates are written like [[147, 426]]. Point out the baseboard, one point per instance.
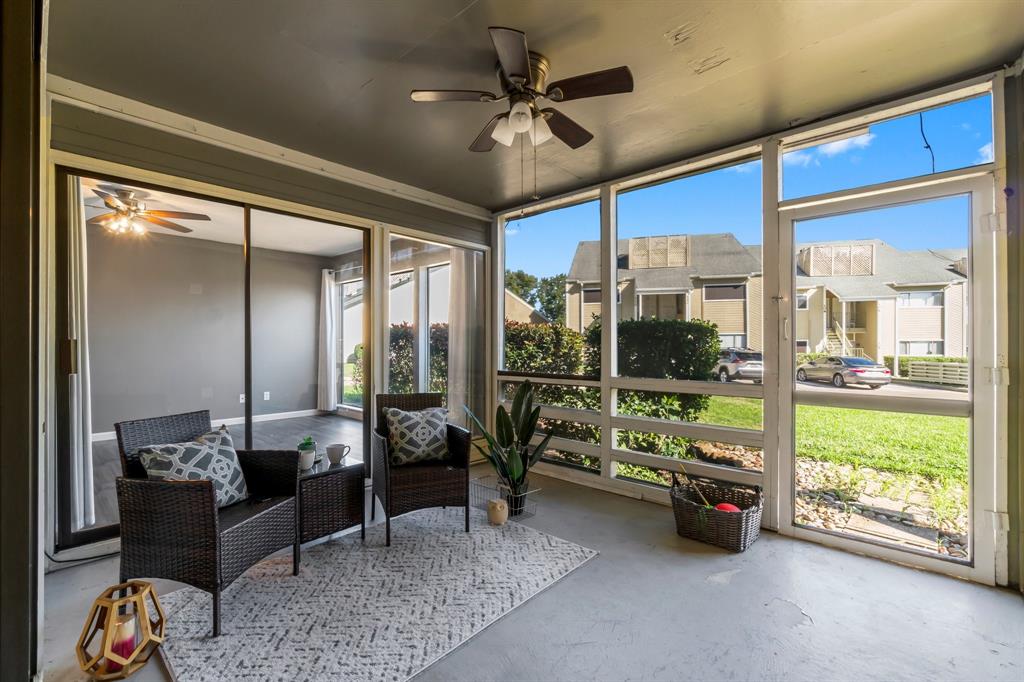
[[230, 421]]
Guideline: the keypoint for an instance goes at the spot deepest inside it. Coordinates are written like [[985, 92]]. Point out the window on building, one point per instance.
[[591, 295], [732, 340], [802, 346], [921, 347], [920, 299], [801, 301], [725, 292]]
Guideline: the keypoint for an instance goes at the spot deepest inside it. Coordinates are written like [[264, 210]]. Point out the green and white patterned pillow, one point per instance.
[[210, 457], [420, 436]]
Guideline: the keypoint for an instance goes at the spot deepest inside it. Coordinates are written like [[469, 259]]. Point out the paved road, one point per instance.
[[897, 388], [904, 389]]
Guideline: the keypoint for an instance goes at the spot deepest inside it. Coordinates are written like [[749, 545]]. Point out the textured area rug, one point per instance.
[[363, 611]]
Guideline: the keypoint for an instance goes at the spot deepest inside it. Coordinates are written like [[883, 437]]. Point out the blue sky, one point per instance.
[[729, 199]]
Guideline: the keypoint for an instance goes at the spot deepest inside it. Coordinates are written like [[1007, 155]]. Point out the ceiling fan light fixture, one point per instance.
[[541, 131], [520, 117], [503, 132]]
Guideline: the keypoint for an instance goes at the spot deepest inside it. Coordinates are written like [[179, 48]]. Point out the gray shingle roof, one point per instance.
[[711, 255], [721, 255], [892, 268]]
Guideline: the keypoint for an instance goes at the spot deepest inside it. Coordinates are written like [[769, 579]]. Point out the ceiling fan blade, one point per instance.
[[513, 54], [182, 215], [607, 82], [164, 223], [484, 142], [452, 96], [101, 219], [110, 200], [566, 129]]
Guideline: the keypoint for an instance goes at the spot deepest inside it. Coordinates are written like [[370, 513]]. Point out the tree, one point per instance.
[[551, 298], [522, 284]]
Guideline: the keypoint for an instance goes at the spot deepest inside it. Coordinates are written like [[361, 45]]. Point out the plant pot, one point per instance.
[[517, 500], [306, 459]]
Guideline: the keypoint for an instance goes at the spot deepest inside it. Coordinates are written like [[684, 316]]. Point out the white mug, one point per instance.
[[337, 452]]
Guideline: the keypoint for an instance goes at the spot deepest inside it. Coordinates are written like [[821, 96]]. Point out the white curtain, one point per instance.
[[83, 507], [327, 358], [463, 284]]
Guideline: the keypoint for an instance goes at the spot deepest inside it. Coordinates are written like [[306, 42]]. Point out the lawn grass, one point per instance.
[[740, 413], [935, 447], [932, 446]]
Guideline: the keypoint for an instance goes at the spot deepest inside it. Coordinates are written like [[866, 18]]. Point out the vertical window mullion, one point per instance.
[[778, 418], [609, 324]]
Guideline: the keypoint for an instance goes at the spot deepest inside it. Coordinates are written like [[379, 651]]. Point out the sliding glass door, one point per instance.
[[437, 322], [173, 303], [305, 331], [154, 324]]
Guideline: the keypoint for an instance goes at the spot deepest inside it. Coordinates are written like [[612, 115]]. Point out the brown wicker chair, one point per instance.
[[174, 530], [403, 489]]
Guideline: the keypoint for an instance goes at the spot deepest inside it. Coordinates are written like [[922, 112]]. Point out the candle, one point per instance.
[[124, 640]]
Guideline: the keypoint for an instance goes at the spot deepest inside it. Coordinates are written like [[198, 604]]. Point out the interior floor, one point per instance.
[[278, 433], [655, 606]]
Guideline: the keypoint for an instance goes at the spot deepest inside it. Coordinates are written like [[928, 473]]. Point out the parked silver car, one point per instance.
[[739, 363], [843, 370]]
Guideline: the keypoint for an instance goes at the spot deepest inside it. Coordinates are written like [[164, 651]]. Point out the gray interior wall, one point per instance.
[[166, 327], [88, 133], [285, 328]]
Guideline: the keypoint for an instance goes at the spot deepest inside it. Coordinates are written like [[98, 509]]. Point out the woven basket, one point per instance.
[[734, 531]]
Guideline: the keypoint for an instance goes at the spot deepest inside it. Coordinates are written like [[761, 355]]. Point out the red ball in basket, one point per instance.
[[727, 507]]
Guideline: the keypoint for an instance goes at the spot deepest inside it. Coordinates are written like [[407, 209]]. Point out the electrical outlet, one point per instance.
[[241, 397], [266, 395]]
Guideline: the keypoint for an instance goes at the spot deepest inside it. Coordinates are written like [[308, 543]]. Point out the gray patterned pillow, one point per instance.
[[419, 436], [210, 457]]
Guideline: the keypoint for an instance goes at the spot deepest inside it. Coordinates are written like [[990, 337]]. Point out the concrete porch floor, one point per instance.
[[656, 606]]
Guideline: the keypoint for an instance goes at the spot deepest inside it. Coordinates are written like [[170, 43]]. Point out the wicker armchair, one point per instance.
[[403, 489], [174, 530]]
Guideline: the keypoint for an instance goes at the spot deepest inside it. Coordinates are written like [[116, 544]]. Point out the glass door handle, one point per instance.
[[785, 329]]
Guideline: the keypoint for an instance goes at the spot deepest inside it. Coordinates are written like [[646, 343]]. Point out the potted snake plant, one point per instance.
[[509, 449]]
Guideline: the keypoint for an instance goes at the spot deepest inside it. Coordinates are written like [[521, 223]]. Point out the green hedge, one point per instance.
[[905, 361], [400, 354], [660, 349]]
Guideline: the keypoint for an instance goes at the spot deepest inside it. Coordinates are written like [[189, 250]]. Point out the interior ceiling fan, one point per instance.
[[126, 211], [523, 77]]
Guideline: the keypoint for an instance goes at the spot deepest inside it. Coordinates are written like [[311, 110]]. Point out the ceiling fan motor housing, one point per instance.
[[540, 67]]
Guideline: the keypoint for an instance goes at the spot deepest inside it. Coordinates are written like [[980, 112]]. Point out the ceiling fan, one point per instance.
[[523, 77], [126, 211]]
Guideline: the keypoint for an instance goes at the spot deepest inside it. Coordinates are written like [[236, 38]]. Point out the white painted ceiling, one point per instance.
[[226, 225], [333, 79]]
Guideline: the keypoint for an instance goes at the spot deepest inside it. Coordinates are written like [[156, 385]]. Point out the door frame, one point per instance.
[[64, 543], [985, 407]]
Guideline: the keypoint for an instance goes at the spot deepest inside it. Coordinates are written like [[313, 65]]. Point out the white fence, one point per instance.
[[939, 372]]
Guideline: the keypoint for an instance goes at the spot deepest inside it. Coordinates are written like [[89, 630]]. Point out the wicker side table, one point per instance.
[[331, 498]]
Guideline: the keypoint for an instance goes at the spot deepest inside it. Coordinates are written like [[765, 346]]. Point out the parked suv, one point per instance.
[[740, 363]]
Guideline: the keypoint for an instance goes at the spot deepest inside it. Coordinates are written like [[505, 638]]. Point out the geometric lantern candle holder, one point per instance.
[[121, 633]]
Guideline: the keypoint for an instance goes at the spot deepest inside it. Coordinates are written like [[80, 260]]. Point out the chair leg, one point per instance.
[[296, 557], [216, 613], [373, 507], [387, 530], [467, 518]]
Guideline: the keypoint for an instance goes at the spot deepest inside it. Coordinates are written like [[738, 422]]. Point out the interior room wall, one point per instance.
[[285, 330], [166, 328]]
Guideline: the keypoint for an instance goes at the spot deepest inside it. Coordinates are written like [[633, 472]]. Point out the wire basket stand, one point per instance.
[[486, 488]]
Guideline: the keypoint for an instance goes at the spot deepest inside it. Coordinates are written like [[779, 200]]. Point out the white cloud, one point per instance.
[[985, 154], [802, 159], [744, 168], [843, 146], [511, 231]]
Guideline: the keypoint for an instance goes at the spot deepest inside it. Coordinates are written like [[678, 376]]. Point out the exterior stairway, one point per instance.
[[834, 345]]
